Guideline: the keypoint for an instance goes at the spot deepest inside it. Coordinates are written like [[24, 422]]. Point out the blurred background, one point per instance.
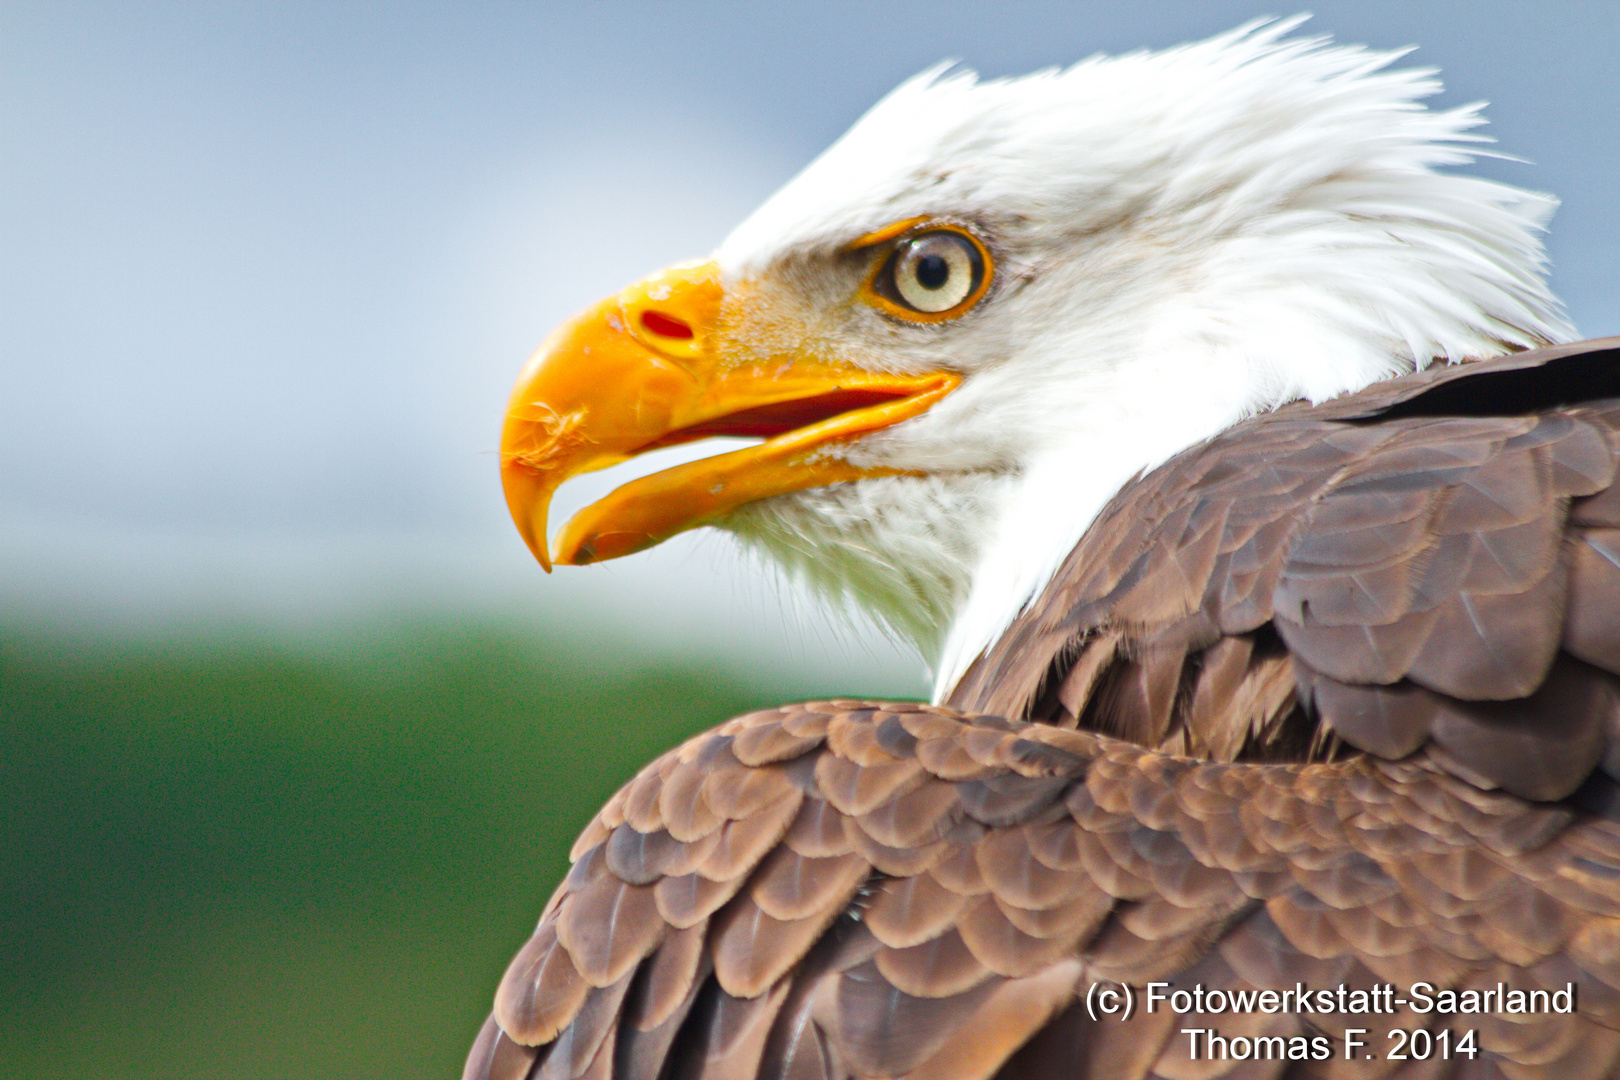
[[295, 734]]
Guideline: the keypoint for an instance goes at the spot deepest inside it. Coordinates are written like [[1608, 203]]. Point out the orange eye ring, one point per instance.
[[927, 261]]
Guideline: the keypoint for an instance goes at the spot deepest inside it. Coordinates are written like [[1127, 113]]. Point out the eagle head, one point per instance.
[[961, 329]]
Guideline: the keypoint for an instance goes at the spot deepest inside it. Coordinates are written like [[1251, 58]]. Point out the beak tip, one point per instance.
[[537, 548], [528, 497]]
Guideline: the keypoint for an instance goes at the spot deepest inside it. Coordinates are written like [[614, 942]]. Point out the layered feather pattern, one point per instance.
[[922, 893], [1426, 565]]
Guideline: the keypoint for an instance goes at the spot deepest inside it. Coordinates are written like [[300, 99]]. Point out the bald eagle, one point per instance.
[[1229, 461]]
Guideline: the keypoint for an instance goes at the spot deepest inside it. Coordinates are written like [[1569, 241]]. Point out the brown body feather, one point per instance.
[[1330, 700]]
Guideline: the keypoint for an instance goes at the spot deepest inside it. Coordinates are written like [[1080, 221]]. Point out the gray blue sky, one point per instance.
[[269, 269]]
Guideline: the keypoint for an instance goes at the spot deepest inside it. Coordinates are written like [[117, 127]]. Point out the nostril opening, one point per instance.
[[666, 325]]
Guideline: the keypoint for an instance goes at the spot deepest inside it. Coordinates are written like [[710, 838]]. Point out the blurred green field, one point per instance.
[[235, 855]]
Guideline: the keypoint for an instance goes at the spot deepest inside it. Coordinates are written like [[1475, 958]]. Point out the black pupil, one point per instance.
[[932, 271]]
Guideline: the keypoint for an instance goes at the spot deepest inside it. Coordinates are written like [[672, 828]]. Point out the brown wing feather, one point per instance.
[[1430, 566], [1069, 857]]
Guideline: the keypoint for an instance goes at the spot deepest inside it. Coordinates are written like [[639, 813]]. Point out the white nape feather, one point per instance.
[[1183, 238]]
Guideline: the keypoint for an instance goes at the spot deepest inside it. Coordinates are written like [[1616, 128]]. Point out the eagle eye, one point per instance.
[[931, 275]]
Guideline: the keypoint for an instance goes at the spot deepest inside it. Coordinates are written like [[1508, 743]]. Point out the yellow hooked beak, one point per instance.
[[648, 369]]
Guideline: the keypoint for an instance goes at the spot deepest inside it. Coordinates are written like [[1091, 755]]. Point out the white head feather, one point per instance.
[[1182, 238]]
